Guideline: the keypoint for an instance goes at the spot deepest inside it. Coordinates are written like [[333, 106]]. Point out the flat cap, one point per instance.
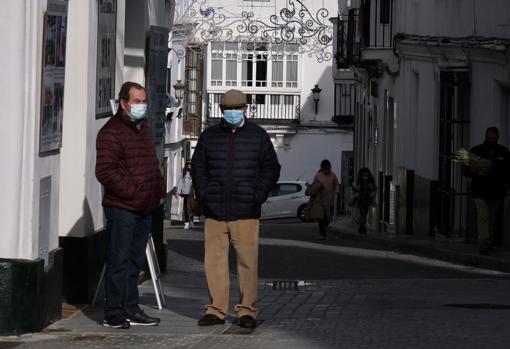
[[233, 98]]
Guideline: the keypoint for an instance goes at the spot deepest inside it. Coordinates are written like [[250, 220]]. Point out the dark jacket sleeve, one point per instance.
[[109, 170], [269, 170], [199, 167]]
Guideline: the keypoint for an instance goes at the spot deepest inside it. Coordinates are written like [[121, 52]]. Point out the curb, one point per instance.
[[445, 254]]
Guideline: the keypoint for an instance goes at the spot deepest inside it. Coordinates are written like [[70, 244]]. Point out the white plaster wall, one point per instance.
[[81, 209], [302, 157], [455, 18], [311, 71], [416, 132], [316, 73], [486, 101], [79, 110], [19, 205]]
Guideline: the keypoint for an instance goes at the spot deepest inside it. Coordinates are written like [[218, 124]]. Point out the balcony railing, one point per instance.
[[268, 107], [345, 103], [348, 41]]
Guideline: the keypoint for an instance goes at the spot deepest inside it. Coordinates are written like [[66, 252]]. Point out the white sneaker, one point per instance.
[[186, 225]]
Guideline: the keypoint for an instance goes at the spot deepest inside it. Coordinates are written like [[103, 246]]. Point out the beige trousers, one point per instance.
[[487, 212], [244, 236]]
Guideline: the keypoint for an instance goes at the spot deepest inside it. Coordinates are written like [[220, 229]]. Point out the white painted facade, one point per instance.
[[398, 121], [300, 144], [75, 206]]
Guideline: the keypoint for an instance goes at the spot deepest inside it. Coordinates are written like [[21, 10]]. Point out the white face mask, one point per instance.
[[137, 111]]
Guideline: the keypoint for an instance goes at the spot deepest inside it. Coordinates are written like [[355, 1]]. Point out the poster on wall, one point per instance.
[[53, 74], [156, 80], [106, 41]]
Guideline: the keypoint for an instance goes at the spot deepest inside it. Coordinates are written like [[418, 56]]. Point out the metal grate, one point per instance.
[[291, 285]]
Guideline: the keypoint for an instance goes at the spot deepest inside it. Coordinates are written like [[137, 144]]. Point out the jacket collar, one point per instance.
[[229, 128], [122, 115]]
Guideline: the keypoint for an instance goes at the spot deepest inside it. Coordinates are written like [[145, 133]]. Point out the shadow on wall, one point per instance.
[[325, 106], [84, 255]]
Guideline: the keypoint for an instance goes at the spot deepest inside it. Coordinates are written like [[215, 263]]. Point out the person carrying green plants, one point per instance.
[[487, 165]]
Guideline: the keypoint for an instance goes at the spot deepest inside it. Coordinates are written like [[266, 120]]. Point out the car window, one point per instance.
[[288, 188]]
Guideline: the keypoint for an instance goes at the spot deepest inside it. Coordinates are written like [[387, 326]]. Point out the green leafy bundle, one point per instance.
[[477, 164]]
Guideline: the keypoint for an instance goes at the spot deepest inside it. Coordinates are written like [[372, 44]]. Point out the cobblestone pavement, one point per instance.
[[417, 311]]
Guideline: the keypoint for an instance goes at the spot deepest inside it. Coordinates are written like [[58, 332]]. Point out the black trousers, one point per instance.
[[185, 209], [128, 233]]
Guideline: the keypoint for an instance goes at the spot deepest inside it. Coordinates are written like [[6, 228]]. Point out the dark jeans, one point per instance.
[[323, 227], [128, 233], [363, 216], [187, 217]]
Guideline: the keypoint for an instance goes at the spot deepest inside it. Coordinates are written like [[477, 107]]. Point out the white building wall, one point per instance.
[[19, 184], [75, 206], [301, 154], [81, 194], [454, 18]]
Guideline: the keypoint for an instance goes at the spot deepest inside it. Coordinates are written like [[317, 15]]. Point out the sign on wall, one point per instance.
[[106, 42], [156, 80], [53, 74]]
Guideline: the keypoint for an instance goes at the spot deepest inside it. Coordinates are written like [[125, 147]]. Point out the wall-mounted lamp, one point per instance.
[[179, 91], [316, 96]]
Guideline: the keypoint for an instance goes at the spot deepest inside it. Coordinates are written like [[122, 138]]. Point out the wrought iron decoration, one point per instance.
[[294, 23]]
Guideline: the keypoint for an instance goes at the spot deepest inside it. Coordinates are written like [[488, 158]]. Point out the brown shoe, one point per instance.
[[247, 321], [210, 320]]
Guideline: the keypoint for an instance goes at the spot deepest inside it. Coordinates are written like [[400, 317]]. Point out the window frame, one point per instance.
[[252, 84]]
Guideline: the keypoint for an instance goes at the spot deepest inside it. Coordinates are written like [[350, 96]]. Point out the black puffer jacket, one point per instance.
[[493, 185], [233, 172]]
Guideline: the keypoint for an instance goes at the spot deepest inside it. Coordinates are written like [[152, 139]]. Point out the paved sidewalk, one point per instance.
[[438, 248], [323, 313]]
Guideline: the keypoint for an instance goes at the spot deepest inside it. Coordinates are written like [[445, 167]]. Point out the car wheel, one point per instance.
[[301, 212]]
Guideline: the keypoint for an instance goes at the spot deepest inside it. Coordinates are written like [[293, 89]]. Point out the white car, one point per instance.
[[287, 199]]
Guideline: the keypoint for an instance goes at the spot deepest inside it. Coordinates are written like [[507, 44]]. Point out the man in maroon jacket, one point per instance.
[[127, 167]]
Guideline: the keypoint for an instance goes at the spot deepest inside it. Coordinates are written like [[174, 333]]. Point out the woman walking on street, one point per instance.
[[184, 189], [364, 190], [322, 196]]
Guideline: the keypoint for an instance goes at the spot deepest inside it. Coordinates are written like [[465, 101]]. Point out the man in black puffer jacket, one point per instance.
[[489, 189], [234, 168]]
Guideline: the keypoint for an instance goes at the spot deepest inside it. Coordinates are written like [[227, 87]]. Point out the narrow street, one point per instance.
[[349, 295]]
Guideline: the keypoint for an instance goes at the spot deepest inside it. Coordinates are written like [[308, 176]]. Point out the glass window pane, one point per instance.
[[292, 71], [231, 70], [292, 47], [277, 71], [231, 46], [217, 73], [217, 46], [286, 189]]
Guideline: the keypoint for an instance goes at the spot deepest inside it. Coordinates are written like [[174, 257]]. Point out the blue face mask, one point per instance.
[[137, 111], [233, 117]]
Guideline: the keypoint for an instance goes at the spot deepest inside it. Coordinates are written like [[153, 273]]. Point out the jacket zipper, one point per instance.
[[228, 192]]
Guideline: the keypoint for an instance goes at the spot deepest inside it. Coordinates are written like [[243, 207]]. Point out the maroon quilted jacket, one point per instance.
[[127, 166]]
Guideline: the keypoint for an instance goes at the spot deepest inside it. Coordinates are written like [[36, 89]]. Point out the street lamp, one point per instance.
[[179, 91], [316, 96]]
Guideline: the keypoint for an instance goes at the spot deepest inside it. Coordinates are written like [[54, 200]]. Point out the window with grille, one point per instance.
[[254, 65], [193, 83], [385, 12]]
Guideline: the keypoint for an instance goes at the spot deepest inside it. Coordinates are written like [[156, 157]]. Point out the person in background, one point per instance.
[[184, 190], [234, 168], [488, 186], [323, 191], [364, 190], [128, 169]]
